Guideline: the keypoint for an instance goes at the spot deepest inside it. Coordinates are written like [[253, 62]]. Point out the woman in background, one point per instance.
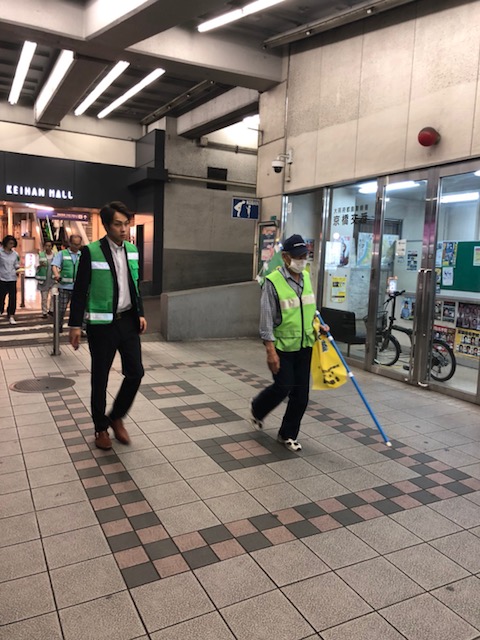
[[9, 265], [44, 276]]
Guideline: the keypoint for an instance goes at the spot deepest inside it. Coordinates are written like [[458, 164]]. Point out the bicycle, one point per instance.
[[388, 349]]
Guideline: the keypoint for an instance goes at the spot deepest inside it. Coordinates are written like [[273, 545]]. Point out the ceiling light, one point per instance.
[[131, 92], [102, 86], [477, 173], [62, 65], [21, 72], [469, 196], [40, 207], [237, 14], [368, 187], [397, 186]]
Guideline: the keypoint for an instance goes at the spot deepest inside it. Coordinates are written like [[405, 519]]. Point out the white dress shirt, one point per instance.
[[119, 255]]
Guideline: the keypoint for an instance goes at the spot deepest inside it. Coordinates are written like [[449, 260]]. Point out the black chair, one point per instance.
[[343, 326]]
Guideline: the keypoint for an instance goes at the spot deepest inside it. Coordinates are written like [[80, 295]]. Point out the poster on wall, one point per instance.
[[438, 254], [337, 253], [408, 309], [448, 311], [310, 242], [447, 276], [401, 248], [444, 333], [449, 254], [437, 314], [389, 242], [339, 289], [438, 279], [476, 256], [467, 342], [412, 261], [364, 249], [468, 316]]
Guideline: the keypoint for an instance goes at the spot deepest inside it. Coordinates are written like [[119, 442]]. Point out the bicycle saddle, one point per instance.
[[406, 330]]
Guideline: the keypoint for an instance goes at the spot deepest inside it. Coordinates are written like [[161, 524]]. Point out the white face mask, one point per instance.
[[297, 266]]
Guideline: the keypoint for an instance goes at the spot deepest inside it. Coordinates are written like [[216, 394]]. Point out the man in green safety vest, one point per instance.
[[107, 297], [44, 276], [286, 328], [64, 269]]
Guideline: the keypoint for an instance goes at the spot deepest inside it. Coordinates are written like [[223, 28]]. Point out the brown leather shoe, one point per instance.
[[121, 434], [102, 440]]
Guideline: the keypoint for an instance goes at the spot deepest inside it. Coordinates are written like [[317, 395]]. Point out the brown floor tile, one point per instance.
[[240, 527], [171, 566], [85, 464], [116, 467], [287, 516], [123, 487], [89, 483], [369, 495], [278, 535], [331, 505], [227, 549], [137, 508], [325, 523], [117, 527], [407, 502], [104, 503], [130, 557], [368, 511], [406, 486], [189, 541], [442, 492], [152, 534]]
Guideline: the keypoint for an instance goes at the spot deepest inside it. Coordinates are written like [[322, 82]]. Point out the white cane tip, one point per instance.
[[388, 443]]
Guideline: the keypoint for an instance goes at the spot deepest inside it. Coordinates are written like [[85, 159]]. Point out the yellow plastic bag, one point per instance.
[[328, 371]]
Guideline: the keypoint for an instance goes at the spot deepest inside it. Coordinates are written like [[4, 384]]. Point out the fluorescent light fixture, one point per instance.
[[469, 196], [40, 207], [60, 70], [368, 187], [131, 92], [397, 186], [23, 66], [102, 86], [477, 173], [237, 14]]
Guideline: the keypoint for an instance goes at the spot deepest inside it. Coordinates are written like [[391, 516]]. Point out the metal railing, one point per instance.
[[56, 322]]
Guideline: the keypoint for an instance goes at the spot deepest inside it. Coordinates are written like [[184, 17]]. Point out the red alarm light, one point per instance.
[[428, 136]]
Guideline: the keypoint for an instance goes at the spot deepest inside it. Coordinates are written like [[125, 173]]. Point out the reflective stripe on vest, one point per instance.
[[41, 274], [99, 309], [290, 335], [69, 269]]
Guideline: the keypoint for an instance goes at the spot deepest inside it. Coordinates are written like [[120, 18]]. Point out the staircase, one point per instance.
[[31, 330]]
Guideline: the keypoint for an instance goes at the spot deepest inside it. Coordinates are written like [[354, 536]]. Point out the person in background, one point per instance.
[[286, 327], [106, 293], [64, 269], [44, 276], [9, 266]]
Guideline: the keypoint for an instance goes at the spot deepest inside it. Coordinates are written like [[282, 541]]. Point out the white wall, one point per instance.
[[358, 96]]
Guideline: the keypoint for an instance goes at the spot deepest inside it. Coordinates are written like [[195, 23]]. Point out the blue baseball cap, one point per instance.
[[295, 245]]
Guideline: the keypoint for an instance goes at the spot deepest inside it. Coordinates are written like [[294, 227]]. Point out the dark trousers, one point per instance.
[[104, 340], [9, 288], [293, 380], [64, 297]]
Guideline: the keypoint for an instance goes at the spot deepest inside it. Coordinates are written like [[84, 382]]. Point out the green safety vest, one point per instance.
[[68, 271], [100, 295], [296, 328], [41, 274]]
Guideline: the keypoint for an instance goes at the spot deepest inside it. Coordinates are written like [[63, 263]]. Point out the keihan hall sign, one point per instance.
[[38, 192]]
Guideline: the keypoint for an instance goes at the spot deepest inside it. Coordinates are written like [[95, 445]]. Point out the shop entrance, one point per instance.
[[409, 240]]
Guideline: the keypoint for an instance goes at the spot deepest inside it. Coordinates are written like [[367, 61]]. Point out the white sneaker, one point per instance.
[[12, 320], [255, 422], [290, 444]]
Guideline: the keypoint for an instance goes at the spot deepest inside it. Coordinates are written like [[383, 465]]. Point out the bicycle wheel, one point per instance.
[[387, 350], [443, 363]]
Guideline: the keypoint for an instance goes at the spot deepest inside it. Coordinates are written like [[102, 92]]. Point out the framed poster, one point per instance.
[[266, 240]]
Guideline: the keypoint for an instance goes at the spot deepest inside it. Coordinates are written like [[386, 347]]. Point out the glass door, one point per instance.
[[397, 336], [456, 328]]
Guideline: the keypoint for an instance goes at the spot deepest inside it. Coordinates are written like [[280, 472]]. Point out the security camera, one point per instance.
[[277, 165]]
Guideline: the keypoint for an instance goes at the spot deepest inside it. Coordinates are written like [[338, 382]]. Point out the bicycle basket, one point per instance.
[[381, 320]]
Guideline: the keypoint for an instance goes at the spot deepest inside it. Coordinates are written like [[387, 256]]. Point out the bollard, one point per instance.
[[22, 290], [56, 322]]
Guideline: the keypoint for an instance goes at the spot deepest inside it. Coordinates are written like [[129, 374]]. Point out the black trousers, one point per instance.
[[10, 288], [104, 340], [293, 380]]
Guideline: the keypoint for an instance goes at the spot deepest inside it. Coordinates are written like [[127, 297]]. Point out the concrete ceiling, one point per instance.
[[154, 33]]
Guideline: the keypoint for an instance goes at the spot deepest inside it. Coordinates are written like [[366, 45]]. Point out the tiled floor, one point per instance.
[[205, 529]]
